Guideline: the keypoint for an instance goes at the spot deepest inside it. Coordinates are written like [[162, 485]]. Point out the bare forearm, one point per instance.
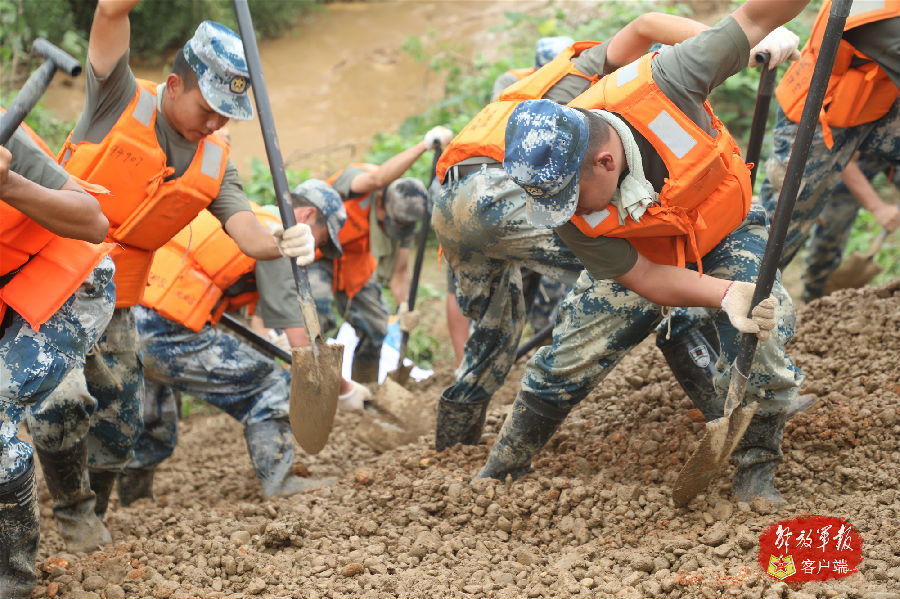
[[859, 186], [673, 286], [392, 169], [110, 34], [296, 336], [759, 17], [252, 238], [635, 39], [68, 212]]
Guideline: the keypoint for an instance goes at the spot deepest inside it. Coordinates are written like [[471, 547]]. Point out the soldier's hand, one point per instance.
[[409, 319], [781, 44], [439, 134], [5, 162], [888, 216], [297, 242], [736, 303]]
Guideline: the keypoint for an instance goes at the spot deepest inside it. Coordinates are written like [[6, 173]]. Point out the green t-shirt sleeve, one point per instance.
[[106, 98], [343, 182], [31, 162], [231, 198], [880, 41], [688, 71], [603, 257], [502, 81], [278, 305]]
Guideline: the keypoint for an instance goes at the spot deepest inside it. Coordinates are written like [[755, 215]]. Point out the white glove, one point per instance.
[[781, 44], [736, 303], [297, 242], [355, 398], [409, 319], [438, 134]]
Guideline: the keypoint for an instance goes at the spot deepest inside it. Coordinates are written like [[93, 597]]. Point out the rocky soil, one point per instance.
[[594, 518]]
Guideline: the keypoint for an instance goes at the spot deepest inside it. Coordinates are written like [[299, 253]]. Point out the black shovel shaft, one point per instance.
[[760, 113], [257, 341], [794, 174], [36, 85], [538, 339], [420, 257], [273, 153]]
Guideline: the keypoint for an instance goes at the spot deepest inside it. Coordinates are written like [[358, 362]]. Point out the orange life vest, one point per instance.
[[855, 95], [707, 193], [521, 73], [145, 210], [190, 275], [40, 270], [354, 269], [484, 134]]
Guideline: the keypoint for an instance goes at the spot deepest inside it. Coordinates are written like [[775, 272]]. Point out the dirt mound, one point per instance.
[[593, 518]]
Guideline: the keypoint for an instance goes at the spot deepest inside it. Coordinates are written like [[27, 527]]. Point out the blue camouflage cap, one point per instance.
[[545, 143], [326, 199], [216, 54], [548, 48]]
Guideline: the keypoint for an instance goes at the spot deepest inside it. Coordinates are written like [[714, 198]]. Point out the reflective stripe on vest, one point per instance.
[[484, 135], [190, 274], [707, 193], [39, 269], [855, 94], [145, 209]]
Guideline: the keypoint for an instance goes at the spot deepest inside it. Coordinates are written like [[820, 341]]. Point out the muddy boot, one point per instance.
[[459, 423], [102, 482], [692, 359], [524, 433], [134, 484], [365, 371], [73, 501], [757, 456], [271, 447], [19, 536]]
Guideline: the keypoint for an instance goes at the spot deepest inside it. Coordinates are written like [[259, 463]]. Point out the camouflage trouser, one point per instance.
[[487, 241], [33, 363], [600, 321], [366, 311], [879, 140], [100, 402], [543, 295], [210, 365]]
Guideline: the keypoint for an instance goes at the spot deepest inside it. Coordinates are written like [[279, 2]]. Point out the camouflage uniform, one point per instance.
[[210, 365], [822, 194], [33, 363]]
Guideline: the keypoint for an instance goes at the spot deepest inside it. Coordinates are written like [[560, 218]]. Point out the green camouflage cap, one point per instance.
[[216, 54]]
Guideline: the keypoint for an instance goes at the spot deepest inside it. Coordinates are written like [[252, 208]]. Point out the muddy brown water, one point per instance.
[[341, 76]]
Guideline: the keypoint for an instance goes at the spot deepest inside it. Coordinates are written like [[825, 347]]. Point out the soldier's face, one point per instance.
[[188, 113]]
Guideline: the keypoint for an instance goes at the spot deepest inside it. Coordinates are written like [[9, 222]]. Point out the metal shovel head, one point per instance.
[[315, 386], [856, 271], [722, 436], [401, 375]]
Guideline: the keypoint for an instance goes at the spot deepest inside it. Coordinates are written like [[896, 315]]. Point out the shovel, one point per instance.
[[34, 88], [764, 92], [857, 269], [401, 374], [315, 370], [723, 434]]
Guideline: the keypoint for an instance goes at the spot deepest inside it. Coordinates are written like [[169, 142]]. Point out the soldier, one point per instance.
[[56, 297], [861, 113], [152, 147], [606, 315]]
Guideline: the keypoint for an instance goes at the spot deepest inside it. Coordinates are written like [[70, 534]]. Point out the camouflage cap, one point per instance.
[[545, 143], [321, 195], [548, 48], [216, 54], [405, 204]]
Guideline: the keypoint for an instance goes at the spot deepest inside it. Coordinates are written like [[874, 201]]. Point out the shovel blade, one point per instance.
[[722, 436], [401, 375], [315, 385], [856, 271]]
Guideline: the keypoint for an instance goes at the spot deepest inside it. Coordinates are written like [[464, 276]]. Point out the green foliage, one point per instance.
[[259, 187], [421, 348], [865, 230]]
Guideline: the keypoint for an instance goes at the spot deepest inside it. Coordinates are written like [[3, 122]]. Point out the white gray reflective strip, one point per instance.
[[365, 202], [212, 156], [595, 218], [143, 112], [860, 6], [672, 134], [627, 73]]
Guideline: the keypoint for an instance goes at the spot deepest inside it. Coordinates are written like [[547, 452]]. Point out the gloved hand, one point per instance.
[[736, 303], [409, 319], [439, 134], [355, 398], [781, 44], [297, 242]]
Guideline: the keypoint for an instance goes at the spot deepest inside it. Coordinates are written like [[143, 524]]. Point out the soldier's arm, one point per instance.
[[758, 18], [887, 215], [110, 34], [388, 172], [673, 286], [634, 39], [251, 236], [399, 282]]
